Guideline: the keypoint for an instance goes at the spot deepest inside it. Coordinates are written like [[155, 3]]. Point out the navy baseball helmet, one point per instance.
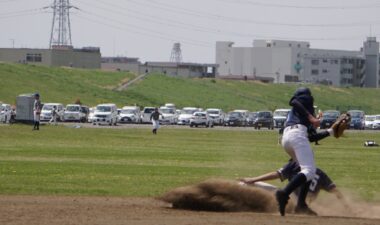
[[302, 91], [36, 95]]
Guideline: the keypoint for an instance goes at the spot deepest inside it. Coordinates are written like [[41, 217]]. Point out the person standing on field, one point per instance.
[[37, 111], [155, 118], [53, 116]]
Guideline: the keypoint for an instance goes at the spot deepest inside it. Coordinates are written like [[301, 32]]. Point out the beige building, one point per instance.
[[169, 68], [88, 58]]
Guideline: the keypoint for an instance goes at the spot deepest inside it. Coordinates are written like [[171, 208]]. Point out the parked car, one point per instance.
[[146, 113], [279, 117], [91, 114], [201, 119], [46, 110], [244, 112], [328, 118], [369, 121], [105, 114], [130, 114], [251, 118], [186, 114], [217, 115], [235, 119], [169, 115], [74, 112], [170, 105], [376, 123], [5, 113], [86, 110], [264, 119], [357, 119]]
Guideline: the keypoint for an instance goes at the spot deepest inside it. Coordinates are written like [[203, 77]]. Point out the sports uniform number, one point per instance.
[[314, 183]]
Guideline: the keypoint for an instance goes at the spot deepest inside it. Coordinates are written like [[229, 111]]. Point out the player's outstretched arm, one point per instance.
[[269, 176]]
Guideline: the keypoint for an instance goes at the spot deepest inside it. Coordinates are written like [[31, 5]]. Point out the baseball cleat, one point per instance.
[[282, 199]]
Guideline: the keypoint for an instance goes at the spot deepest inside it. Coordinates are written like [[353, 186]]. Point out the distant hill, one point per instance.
[[92, 87]]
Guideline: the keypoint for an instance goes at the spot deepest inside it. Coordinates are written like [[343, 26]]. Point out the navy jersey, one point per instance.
[[302, 104], [320, 181]]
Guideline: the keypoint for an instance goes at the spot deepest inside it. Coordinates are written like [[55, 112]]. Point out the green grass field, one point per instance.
[[133, 162]]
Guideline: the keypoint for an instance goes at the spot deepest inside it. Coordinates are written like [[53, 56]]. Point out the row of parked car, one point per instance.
[[193, 116]]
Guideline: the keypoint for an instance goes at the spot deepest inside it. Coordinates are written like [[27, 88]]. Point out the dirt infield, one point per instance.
[[47, 210]]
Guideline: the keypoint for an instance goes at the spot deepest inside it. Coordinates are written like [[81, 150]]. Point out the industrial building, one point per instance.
[[178, 69], [278, 61], [57, 56]]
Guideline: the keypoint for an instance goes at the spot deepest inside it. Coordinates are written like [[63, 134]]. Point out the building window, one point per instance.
[[299, 45], [225, 62], [30, 57], [324, 60], [343, 61], [268, 45], [290, 44], [324, 71], [315, 62], [314, 72]]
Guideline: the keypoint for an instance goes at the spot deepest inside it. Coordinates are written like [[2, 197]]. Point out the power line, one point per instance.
[[314, 7], [218, 17], [157, 20]]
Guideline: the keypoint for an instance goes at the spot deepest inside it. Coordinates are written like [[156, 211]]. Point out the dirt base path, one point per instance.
[[41, 210]]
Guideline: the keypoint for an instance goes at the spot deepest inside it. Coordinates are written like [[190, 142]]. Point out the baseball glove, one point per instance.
[[342, 123]]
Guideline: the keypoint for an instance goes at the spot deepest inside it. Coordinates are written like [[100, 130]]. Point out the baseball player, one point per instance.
[[53, 115], [296, 144], [37, 111], [321, 181], [155, 118]]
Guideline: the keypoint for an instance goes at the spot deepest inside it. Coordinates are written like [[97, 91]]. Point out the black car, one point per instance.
[[264, 119], [251, 118], [328, 118], [235, 119]]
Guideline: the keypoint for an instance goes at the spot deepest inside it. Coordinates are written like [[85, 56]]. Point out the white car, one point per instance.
[[217, 115], [201, 119], [46, 111], [376, 123], [186, 114], [169, 115], [105, 114], [74, 112], [146, 113], [130, 114], [245, 114], [369, 121], [5, 113], [279, 117]]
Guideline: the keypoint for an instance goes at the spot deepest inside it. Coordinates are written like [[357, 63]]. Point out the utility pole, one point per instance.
[[176, 55], [61, 29]]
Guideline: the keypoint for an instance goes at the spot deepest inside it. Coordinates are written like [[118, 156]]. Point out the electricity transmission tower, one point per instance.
[[61, 29], [176, 55]]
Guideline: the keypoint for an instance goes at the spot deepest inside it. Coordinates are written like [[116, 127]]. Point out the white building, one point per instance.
[[280, 61]]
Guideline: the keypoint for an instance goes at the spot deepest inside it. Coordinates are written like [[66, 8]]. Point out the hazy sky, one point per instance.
[[147, 29]]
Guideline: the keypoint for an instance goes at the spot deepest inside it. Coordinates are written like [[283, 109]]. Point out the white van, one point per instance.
[[279, 117], [47, 109], [146, 113], [105, 114], [74, 112], [216, 115]]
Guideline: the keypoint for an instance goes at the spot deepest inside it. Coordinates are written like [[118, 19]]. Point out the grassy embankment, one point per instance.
[[65, 85]]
